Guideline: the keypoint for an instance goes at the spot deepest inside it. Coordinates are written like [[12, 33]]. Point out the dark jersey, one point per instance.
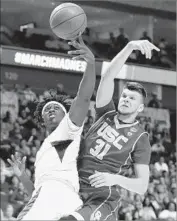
[[112, 147]]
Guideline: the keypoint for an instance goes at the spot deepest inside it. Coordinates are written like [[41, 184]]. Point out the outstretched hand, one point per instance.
[[82, 52], [144, 46], [17, 165]]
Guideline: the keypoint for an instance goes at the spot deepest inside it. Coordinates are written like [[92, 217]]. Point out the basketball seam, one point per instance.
[[77, 28], [68, 20], [60, 10]]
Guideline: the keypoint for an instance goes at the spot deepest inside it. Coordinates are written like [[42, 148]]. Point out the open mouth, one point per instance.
[[51, 115], [123, 105]]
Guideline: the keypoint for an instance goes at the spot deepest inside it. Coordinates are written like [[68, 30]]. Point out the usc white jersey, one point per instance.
[[49, 165]]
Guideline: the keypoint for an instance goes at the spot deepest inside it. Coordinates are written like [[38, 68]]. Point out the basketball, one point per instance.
[[68, 20]]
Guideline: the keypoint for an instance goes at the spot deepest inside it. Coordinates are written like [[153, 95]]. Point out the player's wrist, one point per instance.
[[131, 46], [21, 174]]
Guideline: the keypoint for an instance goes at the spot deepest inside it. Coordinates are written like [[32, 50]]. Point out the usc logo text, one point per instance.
[[108, 135]]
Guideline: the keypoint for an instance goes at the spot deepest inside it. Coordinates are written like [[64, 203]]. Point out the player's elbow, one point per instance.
[[142, 190]]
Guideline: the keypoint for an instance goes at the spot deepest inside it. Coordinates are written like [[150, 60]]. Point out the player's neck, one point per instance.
[[127, 119], [50, 130]]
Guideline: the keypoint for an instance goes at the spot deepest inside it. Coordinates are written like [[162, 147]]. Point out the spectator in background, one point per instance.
[[148, 212], [128, 216], [138, 212], [4, 187], [26, 121], [14, 183], [163, 46], [145, 36], [17, 197], [31, 159], [158, 145], [9, 213], [37, 143], [161, 165], [166, 135], [33, 136], [86, 36], [174, 193], [112, 50], [165, 59], [154, 102], [149, 128], [60, 89], [52, 44], [25, 148], [112, 38], [18, 90], [169, 213], [64, 46], [141, 57], [6, 123], [160, 194], [121, 40], [29, 95]]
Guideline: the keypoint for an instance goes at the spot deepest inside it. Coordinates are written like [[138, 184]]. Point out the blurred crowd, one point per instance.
[[104, 49], [23, 136]]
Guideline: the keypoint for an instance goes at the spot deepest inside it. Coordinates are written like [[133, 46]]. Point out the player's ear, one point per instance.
[[141, 108]]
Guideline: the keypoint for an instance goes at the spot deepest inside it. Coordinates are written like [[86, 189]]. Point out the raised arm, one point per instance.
[[106, 86], [80, 105]]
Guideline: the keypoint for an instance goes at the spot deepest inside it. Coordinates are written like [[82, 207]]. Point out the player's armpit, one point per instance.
[[100, 111]]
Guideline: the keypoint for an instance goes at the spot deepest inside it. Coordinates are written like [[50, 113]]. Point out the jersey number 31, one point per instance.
[[100, 150]]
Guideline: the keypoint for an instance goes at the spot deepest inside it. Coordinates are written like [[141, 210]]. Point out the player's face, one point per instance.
[[52, 116], [130, 102]]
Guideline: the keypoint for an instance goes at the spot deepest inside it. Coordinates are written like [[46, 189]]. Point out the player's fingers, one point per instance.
[[78, 57], [149, 45], [147, 51], [93, 179], [10, 162], [76, 52], [100, 185], [24, 159], [13, 158], [141, 49], [154, 47], [96, 181], [95, 175], [81, 39], [75, 44]]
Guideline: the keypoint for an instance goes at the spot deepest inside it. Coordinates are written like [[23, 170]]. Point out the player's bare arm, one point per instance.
[[138, 185], [80, 105], [107, 81], [19, 167]]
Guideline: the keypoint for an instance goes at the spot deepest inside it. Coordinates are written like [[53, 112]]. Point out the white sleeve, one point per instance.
[[73, 130], [66, 130]]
